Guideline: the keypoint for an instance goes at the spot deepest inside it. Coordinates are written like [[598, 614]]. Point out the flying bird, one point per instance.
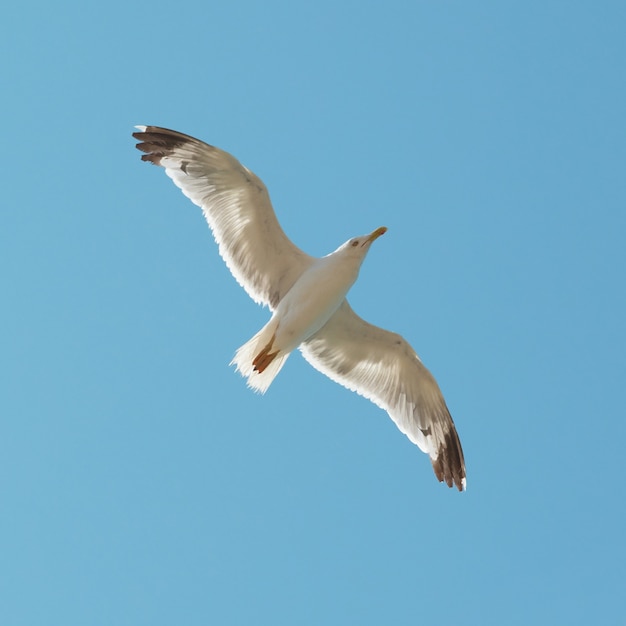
[[307, 298]]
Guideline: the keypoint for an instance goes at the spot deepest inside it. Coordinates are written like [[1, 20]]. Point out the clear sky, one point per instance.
[[142, 483]]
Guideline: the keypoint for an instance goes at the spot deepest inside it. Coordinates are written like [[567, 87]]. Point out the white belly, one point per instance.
[[312, 300]]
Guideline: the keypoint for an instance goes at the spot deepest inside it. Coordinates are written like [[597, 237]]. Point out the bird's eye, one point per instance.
[[355, 243]]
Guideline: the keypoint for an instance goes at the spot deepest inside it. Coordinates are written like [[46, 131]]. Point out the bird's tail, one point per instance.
[[259, 360]]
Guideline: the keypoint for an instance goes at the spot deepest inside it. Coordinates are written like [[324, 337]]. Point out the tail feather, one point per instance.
[[246, 357]]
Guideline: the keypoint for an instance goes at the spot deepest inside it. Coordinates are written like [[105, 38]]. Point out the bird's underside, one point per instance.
[[377, 364]]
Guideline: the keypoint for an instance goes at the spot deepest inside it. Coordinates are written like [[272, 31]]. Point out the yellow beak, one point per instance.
[[375, 235]]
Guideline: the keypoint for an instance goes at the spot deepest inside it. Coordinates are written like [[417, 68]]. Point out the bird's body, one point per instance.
[[307, 297], [304, 310]]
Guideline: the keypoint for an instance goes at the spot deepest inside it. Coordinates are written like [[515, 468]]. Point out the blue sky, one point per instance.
[[142, 483]]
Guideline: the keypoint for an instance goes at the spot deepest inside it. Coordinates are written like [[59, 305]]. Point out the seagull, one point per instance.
[[307, 298]]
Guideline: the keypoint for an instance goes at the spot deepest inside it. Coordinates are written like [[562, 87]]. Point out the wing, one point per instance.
[[237, 207], [383, 367]]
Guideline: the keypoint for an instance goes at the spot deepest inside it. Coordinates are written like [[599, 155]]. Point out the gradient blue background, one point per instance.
[[142, 483]]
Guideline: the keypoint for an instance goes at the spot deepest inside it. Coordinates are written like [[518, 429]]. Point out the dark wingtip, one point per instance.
[[449, 466], [158, 142]]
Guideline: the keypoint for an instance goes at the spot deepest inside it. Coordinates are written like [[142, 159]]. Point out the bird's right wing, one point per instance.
[[237, 207], [383, 367]]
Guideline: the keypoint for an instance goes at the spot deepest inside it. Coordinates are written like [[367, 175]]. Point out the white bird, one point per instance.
[[307, 297]]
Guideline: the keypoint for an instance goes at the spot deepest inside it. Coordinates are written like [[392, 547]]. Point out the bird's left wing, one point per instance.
[[237, 207], [383, 367]]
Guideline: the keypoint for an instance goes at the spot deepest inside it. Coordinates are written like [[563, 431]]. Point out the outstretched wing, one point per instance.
[[383, 367], [237, 207]]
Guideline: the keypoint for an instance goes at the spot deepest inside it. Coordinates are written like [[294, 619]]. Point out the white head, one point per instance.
[[358, 247], [345, 261]]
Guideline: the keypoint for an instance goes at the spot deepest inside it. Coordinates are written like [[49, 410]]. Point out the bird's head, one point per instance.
[[358, 247]]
